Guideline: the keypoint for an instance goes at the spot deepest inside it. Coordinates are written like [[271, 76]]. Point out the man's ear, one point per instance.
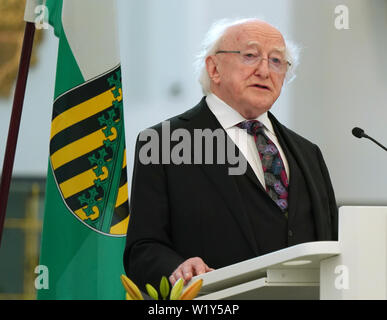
[[212, 69]]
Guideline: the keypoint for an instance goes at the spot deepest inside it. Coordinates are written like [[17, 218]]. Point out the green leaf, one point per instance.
[[176, 289], [152, 291], [164, 287]]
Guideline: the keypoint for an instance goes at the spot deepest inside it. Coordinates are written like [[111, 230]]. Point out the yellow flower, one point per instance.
[[133, 293], [152, 291], [176, 289], [192, 291]]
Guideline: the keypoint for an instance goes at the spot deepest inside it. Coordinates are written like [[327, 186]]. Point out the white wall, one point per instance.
[[341, 84]]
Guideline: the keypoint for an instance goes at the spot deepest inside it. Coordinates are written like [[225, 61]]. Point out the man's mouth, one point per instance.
[[261, 86]]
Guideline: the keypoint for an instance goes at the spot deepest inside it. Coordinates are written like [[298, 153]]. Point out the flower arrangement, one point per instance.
[[133, 293]]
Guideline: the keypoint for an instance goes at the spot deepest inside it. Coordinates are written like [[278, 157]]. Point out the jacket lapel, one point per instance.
[[297, 152], [293, 173], [251, 175], [201, 117]]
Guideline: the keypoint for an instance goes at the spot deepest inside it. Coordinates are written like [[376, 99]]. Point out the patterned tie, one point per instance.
[[276, 179]]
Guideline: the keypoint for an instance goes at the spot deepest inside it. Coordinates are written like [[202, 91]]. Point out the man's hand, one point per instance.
[[189, 268]]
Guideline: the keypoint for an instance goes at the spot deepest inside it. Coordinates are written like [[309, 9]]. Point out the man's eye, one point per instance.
[[276, 61], [250, 55]]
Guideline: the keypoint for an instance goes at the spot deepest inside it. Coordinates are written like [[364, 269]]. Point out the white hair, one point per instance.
[[211, 43]]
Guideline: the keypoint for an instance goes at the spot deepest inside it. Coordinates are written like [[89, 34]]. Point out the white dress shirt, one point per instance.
[[229, 118]]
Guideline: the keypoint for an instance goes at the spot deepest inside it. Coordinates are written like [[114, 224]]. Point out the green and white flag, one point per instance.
[[86, 208]]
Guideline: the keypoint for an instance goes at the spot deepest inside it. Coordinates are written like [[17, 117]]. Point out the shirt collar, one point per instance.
[[229, 117]]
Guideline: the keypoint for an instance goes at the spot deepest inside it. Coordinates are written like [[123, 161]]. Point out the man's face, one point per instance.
[[251, 89]]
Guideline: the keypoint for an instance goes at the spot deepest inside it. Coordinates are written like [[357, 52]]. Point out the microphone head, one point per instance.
[[358, 133]]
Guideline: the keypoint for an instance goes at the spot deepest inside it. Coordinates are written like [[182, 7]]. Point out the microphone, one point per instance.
[[359, 133]]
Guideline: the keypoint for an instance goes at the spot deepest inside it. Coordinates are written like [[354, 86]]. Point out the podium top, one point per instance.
[[302, 256]]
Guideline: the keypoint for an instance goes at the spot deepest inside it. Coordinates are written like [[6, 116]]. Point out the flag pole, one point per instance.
[[13, 131]]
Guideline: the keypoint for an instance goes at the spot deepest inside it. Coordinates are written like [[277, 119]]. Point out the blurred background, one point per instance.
[[341, 83]]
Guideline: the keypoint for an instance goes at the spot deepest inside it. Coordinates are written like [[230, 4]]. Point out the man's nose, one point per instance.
[[262, 68]]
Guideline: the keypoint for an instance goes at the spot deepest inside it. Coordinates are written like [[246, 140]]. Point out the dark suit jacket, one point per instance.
[[183, 211]]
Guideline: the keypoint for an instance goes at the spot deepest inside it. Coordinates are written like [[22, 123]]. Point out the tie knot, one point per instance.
[[252, 126]]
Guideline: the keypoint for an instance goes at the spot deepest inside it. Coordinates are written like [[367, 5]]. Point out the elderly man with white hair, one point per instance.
[[188, 219]]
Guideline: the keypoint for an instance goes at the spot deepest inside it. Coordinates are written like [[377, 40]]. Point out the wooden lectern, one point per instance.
[[355, 267]]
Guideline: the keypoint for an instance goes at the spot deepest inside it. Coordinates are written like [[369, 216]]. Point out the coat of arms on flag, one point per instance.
[[86, 150]]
